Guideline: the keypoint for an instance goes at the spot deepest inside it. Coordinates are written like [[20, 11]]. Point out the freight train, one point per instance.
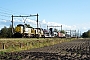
[[22, 31]]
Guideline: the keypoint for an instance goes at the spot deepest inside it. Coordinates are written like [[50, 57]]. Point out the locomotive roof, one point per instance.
[[38, 28], [20, 25]]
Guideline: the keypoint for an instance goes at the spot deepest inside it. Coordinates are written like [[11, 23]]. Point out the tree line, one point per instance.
[[86, 34], [6, 32]]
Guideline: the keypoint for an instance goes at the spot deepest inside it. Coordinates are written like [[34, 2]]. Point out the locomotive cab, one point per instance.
[[19, 31]]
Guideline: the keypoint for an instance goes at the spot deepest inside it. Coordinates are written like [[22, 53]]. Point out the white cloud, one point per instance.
[[16, 20], [43, 23], [31, 21], [2, 26], [83, 27], [58, 24], [26, 21], [4, 20]]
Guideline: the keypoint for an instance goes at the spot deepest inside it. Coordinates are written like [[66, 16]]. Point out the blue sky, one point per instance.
[[71, 14]]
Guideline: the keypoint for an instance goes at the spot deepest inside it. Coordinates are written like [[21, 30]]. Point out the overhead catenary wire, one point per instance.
[[11, 12], [24, 20], [24, 16], [8, 13], [5, 15], [4, 19]]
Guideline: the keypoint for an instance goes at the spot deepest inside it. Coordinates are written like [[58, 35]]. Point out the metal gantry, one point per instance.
[[24, 16], [55, 26], [71, 33]]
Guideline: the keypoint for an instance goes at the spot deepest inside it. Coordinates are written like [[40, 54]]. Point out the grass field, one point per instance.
[[19, 44]]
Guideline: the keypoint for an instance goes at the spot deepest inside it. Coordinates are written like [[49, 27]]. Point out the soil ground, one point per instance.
[[75, 50]]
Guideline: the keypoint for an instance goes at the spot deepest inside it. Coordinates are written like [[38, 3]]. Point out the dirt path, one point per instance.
[[74, 50]]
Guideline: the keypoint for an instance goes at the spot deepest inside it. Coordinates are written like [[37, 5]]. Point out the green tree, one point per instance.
[[55, 30], [28, 26], [62, 31], [4, 32], [9, 32], [86, 34]]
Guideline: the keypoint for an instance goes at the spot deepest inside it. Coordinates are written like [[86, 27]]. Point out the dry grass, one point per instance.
[[18, 44]]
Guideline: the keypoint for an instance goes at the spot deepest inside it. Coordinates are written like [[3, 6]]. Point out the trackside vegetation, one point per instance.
[[19, 44]]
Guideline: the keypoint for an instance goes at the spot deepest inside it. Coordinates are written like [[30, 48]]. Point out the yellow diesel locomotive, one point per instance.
[[22, 31]]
